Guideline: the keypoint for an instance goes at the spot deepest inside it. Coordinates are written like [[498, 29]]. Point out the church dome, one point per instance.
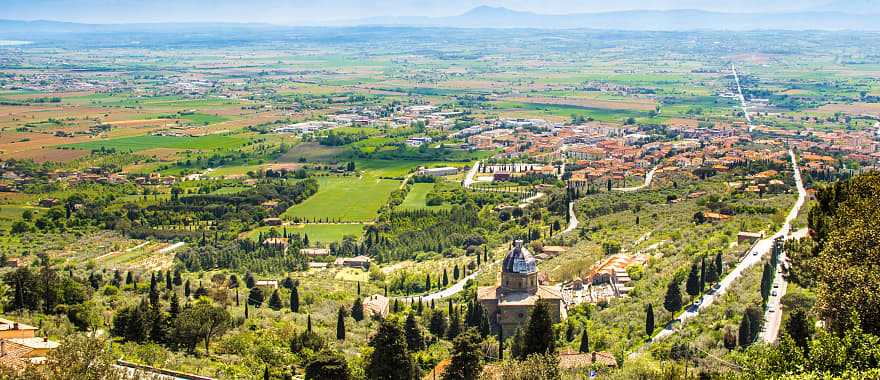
[[519, 260]]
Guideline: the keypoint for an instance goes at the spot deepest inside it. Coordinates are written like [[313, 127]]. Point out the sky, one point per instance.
[[299, 12]]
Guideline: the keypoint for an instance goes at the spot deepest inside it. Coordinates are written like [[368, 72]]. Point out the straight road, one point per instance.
[[742, 99], [754, 256], [773, 314], [469, 178]]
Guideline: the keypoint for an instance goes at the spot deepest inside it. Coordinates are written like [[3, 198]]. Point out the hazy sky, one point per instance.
[[310, 11]]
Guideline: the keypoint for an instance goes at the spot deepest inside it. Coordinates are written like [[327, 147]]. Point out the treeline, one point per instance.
[[412, 232], [244, 255], [227, 212]]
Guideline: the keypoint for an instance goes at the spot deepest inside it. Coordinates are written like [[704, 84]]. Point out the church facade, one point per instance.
[[510, 303]]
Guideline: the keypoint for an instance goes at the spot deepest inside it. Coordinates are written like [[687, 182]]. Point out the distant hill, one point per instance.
[[837, 15], [684, 19], [858, 7]]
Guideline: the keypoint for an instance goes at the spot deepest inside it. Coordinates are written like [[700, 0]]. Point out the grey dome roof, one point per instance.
[[519, 260]]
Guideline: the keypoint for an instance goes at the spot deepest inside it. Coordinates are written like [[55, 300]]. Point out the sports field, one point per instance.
[[346, 199]]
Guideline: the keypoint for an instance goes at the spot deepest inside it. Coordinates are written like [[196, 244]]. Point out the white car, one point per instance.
[[773, 293]]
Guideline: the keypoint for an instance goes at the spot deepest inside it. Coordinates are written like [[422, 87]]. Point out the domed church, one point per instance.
[[510, 303]]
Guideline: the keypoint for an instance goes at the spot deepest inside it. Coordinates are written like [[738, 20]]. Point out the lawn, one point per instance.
[[417, 197], [319, 234], [138, 143], [350, 199]]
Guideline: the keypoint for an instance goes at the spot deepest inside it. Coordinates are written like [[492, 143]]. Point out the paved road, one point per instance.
[[773, 314], [754, 256], [469, 178], [454, 288], [573, 221], [648, 178], [742, 99]]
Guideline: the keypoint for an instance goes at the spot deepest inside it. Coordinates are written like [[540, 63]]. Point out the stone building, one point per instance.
[[510, 303]]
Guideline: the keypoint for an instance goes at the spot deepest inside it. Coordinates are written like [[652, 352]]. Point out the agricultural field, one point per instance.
[[344, 199], [139, 143]]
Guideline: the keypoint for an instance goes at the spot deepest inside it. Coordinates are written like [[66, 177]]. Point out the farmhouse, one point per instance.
[[279, 243], [439, 172], [361, 262], [509, 304], [266, 284], [314, 252], [273, 221], [376, 305], [20, 346]]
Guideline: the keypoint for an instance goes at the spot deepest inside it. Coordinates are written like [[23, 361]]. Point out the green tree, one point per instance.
[[438, 324], [584, 346], [357, 310], [415, 339], [328, 365], [294, 300], [390, 359], [466, 362], [745, 334], [275, 301], [538, 336], [340, 324], [649, 320], [672, 302], [799, 328], [201, 321], [255, 297], [692, 286]]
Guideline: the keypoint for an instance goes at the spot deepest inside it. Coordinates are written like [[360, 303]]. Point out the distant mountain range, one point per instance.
[[847, 15], [858, 15]]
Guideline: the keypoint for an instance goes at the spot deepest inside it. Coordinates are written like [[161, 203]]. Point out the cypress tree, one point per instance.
[[672, 301], [359, 288], [585, 342], [445, 278], [275, 301], [744, 331], [340, 324], [309, 323], [692, 286], [186, 289], [390, 358], [427, 282], [357, 310], [174, 307], [154, 292], [719, 265], [702, 274], [455, 273], [256, 297], [415, 341], [294, 300], [168, 285], [177, 279], [649, 320], [246, 310], [539, 337]]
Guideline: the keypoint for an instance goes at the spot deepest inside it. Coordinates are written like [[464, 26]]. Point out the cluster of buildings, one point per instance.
[[20, 345]]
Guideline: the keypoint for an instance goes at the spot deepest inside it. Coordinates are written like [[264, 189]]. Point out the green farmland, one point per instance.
[[417, 198], [347, 199], [139, 143]]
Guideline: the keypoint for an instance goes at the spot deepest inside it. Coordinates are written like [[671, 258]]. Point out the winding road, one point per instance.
[[754, 256], [773, 314], [648, 178]]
